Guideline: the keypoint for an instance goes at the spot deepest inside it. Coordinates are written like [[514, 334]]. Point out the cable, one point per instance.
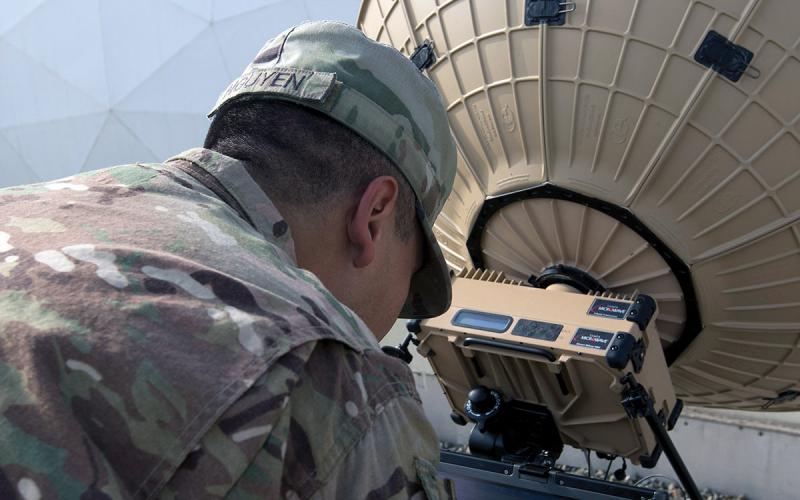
[[670, 479], [588, 462], [608, 469]]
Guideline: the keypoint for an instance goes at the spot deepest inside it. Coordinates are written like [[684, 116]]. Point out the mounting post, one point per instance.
[[637, 403]]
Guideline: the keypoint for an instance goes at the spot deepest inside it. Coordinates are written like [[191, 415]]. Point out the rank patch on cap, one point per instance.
[[272, 50]]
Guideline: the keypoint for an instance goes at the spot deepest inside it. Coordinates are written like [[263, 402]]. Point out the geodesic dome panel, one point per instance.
[[93, 83], [663, 175]]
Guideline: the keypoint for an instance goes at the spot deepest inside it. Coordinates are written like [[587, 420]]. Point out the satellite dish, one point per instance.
[[650, 146]]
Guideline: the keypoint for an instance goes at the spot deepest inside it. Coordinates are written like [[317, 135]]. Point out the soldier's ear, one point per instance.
[[372, 218]]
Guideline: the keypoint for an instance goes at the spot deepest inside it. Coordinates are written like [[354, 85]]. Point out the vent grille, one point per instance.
[[615, 296], [488, 275], [472, 273]]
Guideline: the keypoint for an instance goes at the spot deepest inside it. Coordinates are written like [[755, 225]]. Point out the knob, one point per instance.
[[481, 399]]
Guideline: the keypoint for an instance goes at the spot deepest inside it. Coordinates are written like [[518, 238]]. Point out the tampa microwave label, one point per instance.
[[592, 338], [609, 309]]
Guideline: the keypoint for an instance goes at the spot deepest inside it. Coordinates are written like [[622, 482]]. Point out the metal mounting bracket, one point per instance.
[[552, 12], [725, 57], [782, 397], [424, 56]]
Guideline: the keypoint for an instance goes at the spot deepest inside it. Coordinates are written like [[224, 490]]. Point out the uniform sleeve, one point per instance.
[[395, 459], [352, 427], [358, 430], [242, 454]]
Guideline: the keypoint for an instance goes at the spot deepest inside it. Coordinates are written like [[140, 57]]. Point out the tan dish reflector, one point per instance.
[[613, 107]]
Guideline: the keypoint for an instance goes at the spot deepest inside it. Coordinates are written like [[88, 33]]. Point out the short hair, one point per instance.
[[302, 157]]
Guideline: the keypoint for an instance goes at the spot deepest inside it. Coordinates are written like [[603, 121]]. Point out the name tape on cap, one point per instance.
[[302, 84]]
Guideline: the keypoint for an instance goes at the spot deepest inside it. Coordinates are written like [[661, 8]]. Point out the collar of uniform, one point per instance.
[[233, 176]]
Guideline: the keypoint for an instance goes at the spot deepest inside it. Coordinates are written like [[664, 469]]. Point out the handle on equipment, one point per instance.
[[538, 351]]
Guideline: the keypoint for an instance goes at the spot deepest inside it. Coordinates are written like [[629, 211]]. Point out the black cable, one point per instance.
[[608, 469], [589, 463]]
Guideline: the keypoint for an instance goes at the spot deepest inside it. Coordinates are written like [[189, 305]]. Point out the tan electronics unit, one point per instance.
[[652, 145], [566, 352]]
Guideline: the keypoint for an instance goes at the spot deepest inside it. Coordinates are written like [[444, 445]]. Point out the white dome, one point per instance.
[[93, 83]]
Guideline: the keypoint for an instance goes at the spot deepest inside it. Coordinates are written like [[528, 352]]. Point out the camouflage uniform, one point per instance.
[[151, 338], [158, 339]]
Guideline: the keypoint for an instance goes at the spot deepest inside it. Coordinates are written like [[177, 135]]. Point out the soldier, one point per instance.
[[208, 326]]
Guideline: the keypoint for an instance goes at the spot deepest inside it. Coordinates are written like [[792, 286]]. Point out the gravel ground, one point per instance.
[[660, 483]]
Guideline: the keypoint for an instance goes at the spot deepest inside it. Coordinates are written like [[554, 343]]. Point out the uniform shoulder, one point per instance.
[[369, 376]]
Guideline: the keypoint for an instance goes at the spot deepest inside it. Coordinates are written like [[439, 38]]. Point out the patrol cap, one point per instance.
[[381, 95]]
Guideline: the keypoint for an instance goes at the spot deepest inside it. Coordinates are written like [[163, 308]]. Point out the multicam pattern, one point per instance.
[[156, 342]]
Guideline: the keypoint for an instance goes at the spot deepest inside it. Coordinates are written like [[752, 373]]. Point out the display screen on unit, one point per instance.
[[479, 320]]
